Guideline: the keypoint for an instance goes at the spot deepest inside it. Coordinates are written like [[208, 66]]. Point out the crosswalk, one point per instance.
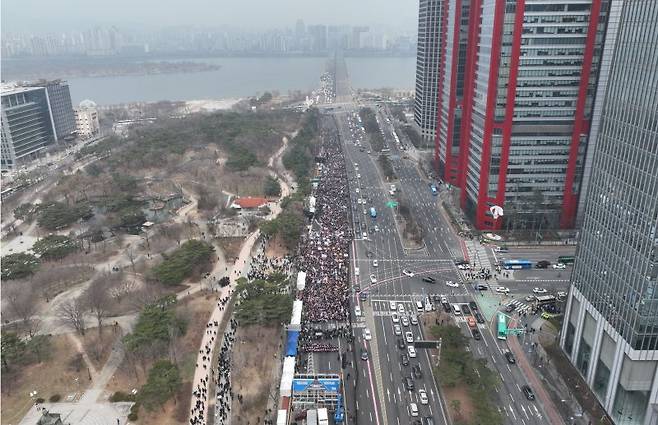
[[521, 307], [478, 255]]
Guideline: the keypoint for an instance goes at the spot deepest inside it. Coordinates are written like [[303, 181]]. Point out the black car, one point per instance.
[[436, 297], [543, 264], [429, 279], [404, 359], [476, 334], [527, 391], [446, 307], [473, 306], [401, 344], [460, 262], [510, 308], [428, 420], [510, 357], [415, 370], [479, 317], [465, 309], [409, 383], [481, 287]]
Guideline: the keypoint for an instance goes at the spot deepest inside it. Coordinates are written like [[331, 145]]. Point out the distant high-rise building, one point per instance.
[[355, 42], [34, 116], [610, 330], [300, 28], [428, 57], [319, 35], [530, 70]]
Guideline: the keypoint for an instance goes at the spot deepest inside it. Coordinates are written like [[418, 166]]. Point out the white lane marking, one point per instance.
[[512, 410]]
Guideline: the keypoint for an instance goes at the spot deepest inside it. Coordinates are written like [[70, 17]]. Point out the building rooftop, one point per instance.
[[250, 202]]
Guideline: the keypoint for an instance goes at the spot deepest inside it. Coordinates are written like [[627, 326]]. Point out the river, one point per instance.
[[240, 77]]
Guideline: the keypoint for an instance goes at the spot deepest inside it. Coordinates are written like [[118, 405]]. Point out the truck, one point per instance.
[[323, 417], [373, 212]]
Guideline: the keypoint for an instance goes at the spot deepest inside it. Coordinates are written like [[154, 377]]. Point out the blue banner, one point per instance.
[[326, 385]]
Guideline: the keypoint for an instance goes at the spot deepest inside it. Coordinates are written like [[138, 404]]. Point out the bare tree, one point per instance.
[[96, 299], [71, 313], [22, 306], [130, 253]]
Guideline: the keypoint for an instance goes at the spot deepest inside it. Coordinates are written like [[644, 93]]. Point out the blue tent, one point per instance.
[[291, 345]]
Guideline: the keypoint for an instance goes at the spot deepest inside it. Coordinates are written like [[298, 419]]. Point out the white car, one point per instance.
[[409, 337], [413, 319], [357, 190], [444, 299], [559, 266], [366, 334], [397, 330], [405, 321], [413, 409], [530, 298], [375, 263], [464, 267], [412, 351], [408, 273], [452, 284], [400, 308], [376, 228], [393, 305], [395, 318], [422, 395], [358, 176], [373, 278], [502, 290], [539, 291]]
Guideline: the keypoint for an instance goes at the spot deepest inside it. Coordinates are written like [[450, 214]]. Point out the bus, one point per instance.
[[517, 264], [545, 299], [566, 259], [373, 212], [502, 326]]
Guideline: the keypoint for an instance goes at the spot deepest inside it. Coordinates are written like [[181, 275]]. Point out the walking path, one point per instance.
[[239, 269]]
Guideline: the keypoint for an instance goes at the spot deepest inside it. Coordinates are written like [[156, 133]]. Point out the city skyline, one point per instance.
[[17, 16]]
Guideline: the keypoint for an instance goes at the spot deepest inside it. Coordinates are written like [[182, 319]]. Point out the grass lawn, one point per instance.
[[60, 374]]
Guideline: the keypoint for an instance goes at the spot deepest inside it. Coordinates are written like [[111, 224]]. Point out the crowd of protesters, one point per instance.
[[324, 256]]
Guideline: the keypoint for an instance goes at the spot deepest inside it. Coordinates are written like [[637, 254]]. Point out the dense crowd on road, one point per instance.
[[223, 393], [324, 256]]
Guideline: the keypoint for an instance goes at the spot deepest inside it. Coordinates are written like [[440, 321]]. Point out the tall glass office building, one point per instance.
[[610, 331]]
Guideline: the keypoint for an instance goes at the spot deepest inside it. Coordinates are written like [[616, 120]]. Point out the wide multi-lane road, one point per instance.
[[380, 260]]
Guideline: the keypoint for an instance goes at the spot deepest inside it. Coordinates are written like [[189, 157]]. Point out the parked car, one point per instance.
[[478, 317]]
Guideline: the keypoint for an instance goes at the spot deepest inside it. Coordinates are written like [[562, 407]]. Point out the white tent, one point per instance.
[[301, 281]]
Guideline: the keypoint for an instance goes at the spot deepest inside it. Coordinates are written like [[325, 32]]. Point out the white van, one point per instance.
[[357, 311], [419, 306], [457, 309], [356, 271]]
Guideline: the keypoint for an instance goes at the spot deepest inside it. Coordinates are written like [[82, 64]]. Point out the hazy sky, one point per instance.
[[57, 15]]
